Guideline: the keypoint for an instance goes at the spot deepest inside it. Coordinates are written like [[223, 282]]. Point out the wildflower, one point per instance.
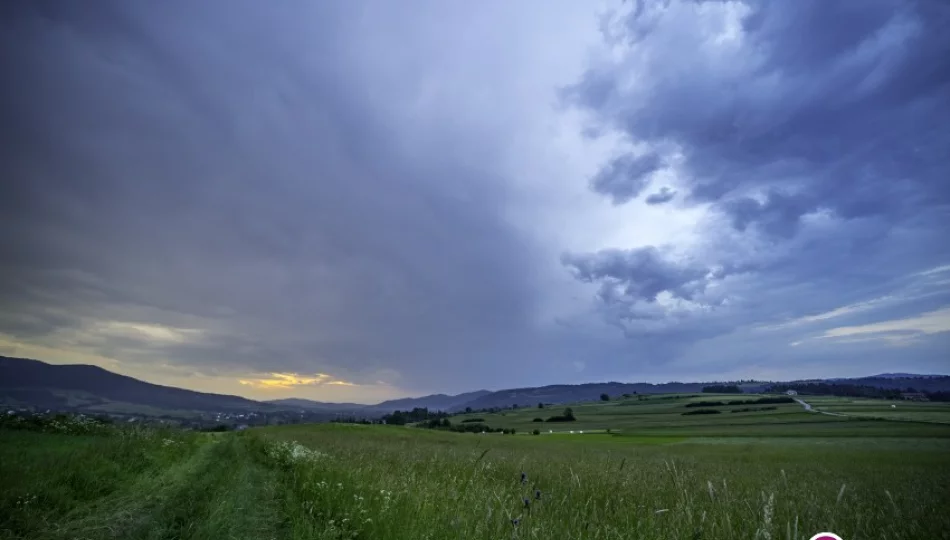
[[537, 494], [524, 477], [516, 521], [527, 502]]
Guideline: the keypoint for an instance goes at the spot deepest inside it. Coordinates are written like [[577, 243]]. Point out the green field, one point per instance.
[[779, 474]]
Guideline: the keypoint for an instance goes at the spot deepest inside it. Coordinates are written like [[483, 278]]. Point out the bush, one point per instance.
[[567, 416], [538, 420], [708, 404], [702, 411], [604, 397], [471, 420], [536, 432]]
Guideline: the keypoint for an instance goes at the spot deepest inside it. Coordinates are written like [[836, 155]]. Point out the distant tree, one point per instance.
[[468, 410], [567, 416], [722, 389], [604, 397], [540, 405], [536, 432]]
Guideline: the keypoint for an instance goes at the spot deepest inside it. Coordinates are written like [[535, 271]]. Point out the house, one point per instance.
[[914, 396], [792, 392]]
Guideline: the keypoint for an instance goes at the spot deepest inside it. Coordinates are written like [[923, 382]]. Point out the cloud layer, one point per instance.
[[442, 199]]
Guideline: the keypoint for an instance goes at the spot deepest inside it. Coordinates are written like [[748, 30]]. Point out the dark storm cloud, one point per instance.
[[228, 168], [665, 195], [836, 106], [816, 131], [625, 177], [638, 273]]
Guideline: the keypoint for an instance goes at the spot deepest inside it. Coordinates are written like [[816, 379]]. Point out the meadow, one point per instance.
[[776, 474]]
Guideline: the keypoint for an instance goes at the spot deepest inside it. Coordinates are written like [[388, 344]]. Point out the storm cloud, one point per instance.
[[373, 200]]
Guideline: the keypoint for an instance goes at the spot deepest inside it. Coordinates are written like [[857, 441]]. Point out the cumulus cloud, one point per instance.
[[817, 161], [665, 195], [626, 176]]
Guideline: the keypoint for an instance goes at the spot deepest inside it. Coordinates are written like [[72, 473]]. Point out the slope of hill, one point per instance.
[[309, 404], [441, 402], [570, 393], [35, 383], [82, 387]]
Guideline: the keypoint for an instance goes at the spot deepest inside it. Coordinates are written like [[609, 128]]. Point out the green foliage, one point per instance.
[[605, 397], [759, 401], [58, 423], [705, 404], [566, 416], [418, 414]]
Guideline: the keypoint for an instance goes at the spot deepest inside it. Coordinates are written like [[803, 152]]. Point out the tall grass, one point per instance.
[[365, 483], [379, 482]]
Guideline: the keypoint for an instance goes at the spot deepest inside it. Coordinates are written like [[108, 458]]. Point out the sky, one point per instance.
[[354, 201]]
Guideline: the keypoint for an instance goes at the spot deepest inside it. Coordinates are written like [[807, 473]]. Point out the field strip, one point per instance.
[[216, 488], [812, 409]]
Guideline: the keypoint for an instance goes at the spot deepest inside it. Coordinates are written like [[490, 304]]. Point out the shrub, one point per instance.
[[472, 420], [702, 411], [706, 404], [605, 397], [538, 420], [536, 432], [567, 416]]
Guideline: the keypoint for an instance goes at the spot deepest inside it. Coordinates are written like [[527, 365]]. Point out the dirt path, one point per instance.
[[809, 408]]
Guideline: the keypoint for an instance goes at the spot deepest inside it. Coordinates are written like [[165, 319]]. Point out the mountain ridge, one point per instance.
[[36, 383]]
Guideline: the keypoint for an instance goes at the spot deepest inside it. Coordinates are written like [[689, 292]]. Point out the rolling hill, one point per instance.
[[38, 384], [32, 383]]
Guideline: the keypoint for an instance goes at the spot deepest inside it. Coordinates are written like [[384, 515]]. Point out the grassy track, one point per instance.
[[781, 474], [196, 487]]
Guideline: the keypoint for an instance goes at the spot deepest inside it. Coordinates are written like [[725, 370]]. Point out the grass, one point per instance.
[[776, 475]]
